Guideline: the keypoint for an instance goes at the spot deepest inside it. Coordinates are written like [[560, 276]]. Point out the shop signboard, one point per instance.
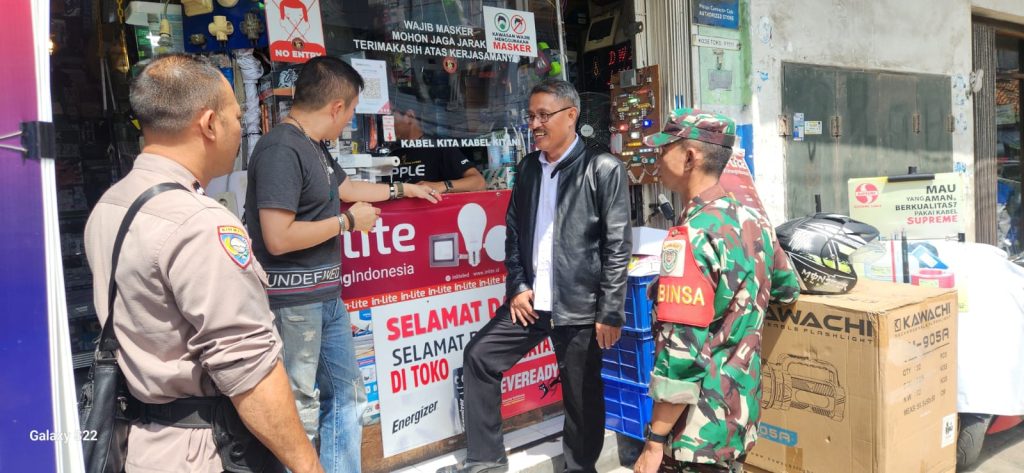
[[721, 13], [919, 222], [702, 41], [510, 32], [920, 208], [294, 30], [423, 282]]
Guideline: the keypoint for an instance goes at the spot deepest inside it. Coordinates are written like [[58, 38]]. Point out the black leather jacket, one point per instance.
[[592, 236]]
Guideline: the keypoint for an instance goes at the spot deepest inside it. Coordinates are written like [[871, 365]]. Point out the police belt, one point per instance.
[[189, 412]]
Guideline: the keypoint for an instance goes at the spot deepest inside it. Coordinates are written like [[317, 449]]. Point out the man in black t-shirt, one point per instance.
[[293, 210], [442, 169]]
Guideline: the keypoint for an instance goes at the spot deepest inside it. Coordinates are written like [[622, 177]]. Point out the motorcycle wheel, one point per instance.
[[970, 439]]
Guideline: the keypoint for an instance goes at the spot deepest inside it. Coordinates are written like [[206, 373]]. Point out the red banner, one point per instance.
[[423, 281], [737, 181]]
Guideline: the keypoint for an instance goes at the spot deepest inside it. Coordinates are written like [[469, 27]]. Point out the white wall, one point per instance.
[[915, 36]]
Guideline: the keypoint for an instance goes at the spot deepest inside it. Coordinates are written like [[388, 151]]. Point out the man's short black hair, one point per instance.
[[324, 79], [173, 89], [716, 157]]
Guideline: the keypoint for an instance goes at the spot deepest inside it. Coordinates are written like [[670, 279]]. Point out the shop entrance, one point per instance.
[[1009, 129], [998, 79]]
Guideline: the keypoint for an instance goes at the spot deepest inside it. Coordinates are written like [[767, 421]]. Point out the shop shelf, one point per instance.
[[627, 407], [638, 306], [631, 359]]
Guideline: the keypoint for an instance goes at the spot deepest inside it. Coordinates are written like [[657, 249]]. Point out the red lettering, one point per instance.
[[434, 323], [470, 312], [450, 315], [393, 332], [932, 219], [407, 326], [418, 329], [430, 372], [398, 381], [519, 48], [492, 307]]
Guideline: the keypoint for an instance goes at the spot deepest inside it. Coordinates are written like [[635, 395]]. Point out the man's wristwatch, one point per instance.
[[342, 226], [653, 437], [448, 186]]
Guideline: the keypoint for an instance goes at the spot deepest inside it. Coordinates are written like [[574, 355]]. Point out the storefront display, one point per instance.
[[635, 112], [465, 67]]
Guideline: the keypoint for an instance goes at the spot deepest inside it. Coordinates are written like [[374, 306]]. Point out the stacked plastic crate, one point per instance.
[[627, 366]]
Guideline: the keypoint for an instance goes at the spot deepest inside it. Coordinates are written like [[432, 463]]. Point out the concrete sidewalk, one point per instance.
[[538, 449], [1002, 453]]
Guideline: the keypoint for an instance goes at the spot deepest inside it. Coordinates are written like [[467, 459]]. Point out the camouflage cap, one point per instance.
[[692, 124]]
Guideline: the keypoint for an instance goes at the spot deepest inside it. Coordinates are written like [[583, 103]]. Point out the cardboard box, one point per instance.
[[864, 382]]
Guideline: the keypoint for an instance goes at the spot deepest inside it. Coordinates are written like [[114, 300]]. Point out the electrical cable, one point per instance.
[[252, 70]]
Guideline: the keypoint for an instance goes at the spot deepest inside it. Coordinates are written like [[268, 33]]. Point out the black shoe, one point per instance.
[[475, 467]]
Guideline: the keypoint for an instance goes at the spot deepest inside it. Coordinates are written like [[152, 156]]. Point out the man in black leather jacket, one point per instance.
[[567, 249]]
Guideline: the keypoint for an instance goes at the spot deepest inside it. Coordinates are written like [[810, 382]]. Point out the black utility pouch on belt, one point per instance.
[[240, 451]]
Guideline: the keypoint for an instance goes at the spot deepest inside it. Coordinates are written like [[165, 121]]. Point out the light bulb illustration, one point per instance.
[[472, 221], [494, 243]]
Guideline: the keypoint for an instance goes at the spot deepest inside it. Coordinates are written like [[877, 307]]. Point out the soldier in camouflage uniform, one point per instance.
[[720, 267]]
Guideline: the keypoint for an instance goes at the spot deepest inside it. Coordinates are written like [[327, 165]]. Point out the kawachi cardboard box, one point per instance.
[[863, 382]]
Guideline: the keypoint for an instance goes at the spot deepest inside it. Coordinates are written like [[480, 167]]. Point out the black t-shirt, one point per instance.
[[429, 164], [288, 171]]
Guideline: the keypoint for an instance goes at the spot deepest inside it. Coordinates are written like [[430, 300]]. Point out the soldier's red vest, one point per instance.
[[685, 294]]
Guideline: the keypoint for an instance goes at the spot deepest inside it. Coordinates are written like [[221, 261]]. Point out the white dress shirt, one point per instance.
[[544, 229]]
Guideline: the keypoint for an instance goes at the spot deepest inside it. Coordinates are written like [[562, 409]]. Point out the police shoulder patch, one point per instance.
[[235, 244]]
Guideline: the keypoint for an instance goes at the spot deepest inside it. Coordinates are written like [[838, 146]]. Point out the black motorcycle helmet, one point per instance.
[[820, 247]]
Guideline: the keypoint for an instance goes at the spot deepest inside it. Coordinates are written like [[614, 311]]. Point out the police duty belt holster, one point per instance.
[[105, 406], [239, 450]]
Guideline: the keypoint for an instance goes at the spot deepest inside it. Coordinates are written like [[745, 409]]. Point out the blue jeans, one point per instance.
[[321, 363]]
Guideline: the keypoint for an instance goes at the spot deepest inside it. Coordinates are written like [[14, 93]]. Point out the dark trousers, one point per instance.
[[496, 348]]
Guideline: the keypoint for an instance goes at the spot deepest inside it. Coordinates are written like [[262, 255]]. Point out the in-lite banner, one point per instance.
[[424, 281]]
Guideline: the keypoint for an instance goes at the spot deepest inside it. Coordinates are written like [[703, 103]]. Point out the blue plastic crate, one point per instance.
[[631, 359], [638, 306], [627, 407]]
